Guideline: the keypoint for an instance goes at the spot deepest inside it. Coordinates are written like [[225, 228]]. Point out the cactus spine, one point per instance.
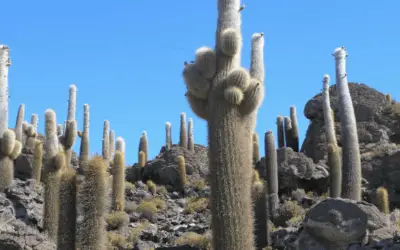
[[18, 124], [351, 183], [67, 217], [190, 135], [144, 145], [256, 149], [118, 188], [112, 143], [120, 145], [271, 163], [106, 141], [84, 135], [280, 131], [328, 113], [383, 200], [55, 161], [182, 132], [228, 97], [288, 131], [37, 161], [182, 171], [168, 139], [295, 129], [335, 173], [93, 194]]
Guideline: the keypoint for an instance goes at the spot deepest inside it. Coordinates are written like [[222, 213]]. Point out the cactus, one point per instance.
[[182, 132], [118, 188], [93, 197], [288, 131], [256, 149], [30, 137], [10, 150], [190, 135], [37, 161], [144, 145], [280, 131], [388, 98], [295, 129], [271, 163], [18, 124], [60, 130], [228, 97], [351, 182], [151, 186], [261, 213], [106, 141], [383, 200], [182, 171], [120, 145], [142, 159], [112, 143], [328, 113], [5, 62], [55, 161], [35, 121], [70, 129], [84, 135], [335, 173], [168, 136], [66, 239]]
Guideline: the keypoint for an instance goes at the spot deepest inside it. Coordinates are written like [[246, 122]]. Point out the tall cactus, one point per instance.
[[351, 182], [168, 135], [256, 149], [118, 184], [182, 132], [106, 141], [93, 194], [328, 117], [190, 135], [144, 145], [271, 163], [288, 131], [120, 144], [84, 135], [35, 121], [227, 96], [18, 124], [66, 239], [295, 129], [55, 161], [280, 132], [9, 146], [70, 132], [335, 171], [112, 143]]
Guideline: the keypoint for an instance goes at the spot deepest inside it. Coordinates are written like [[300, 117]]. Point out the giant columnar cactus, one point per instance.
[[84, 135], [351, 182], [271, 163], [112, 143], [118, 188], [93, 197], [227, 96], [9, 146], [288, 131], [280, 131], [18, 124], [120, 145], [168, 136], [256, 149], [35, 121], [144, 145], [335, 171], [55, 161], [68, 139], [295, 129], [106, 141], [67, 215], [182, 132], [328, 117], [190, 135]]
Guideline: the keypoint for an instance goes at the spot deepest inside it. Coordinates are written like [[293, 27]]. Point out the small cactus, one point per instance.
[[106, 141], [383, 200], [182, 132], [168, 136], [190, 135], [288, 131], [389, 98], [84, 135], [144, 145], [66, 239], [151, 186], [118, 188], [295, 129], [280, 131], [112, 143], [335, 173], [18, 125], [182, 171], [10, 149]]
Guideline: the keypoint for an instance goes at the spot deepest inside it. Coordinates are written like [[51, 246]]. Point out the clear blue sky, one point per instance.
[[126, 57]]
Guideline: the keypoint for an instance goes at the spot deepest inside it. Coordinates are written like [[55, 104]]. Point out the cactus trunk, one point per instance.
[[280, 132], [295, 129], [271, 163], [182, 132], [328, 117], [190, 135]]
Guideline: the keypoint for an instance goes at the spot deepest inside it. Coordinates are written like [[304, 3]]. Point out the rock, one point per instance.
[[23, 166]]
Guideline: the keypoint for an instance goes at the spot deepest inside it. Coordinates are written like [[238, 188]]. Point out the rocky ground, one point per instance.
[[160, 215]]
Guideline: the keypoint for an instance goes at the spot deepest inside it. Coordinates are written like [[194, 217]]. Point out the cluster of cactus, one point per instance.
[[288, 130], [186, 136]]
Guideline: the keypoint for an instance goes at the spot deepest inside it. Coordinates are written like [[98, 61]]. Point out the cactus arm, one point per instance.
[[112, 143], [106, 141], [206, 62], [72, 103], [328, 118], [19, 121], [35, 121], [4, 64], [351, 183], [195, 82], [120, 144], [199, 107]]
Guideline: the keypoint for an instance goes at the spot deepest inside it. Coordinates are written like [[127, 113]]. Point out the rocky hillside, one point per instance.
[[161, 214]]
